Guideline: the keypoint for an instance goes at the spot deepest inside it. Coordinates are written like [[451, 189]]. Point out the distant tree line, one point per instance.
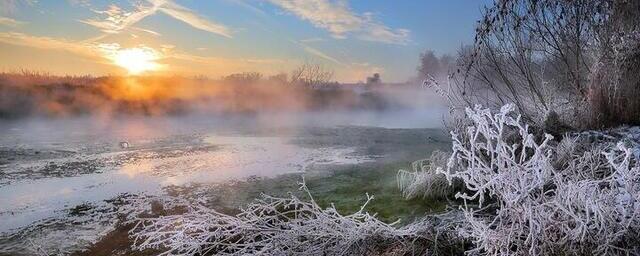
[[307, 87]]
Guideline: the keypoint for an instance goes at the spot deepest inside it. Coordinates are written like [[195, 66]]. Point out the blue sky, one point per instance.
[[218, 37]]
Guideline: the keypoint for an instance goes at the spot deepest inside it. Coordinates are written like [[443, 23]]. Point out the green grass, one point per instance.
[[346, 186], [347, 189]]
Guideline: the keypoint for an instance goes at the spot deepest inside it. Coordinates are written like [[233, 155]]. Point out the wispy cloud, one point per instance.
[[337, 18], [197, 64], [147, 30], [116, 19], [96, 52], [320, 54], [48, 43], [316, 52], [208, 60], [187, 16], [180, 62], [10, 6], [84, 3], [10, 22], [312, 40], [249, 7]]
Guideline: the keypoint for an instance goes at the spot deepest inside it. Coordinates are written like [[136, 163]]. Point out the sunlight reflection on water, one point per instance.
[[48, 166], [25, 201]]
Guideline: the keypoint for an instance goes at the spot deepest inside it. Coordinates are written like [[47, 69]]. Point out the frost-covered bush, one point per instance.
[[517, 202], [519, 194], [278, 226], [423, 181]]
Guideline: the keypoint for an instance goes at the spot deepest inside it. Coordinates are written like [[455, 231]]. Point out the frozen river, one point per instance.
[[51, 168]]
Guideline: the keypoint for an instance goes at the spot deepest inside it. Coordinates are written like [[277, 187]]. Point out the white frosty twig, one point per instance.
[[272, 226], [424, 180], [590, 205], [521, 195]]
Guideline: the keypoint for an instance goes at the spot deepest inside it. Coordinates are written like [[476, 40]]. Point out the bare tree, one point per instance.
[[431, 65], [279, 79], [614, 88], [541, 54], [310, 74], [243, 78]]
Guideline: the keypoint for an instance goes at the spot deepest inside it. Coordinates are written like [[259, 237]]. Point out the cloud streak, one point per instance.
[[147, 31], [49, 43], [338, 19], [318, 53], [187, 16], [116, 19], [312, 40], [10, 22], [180, 62], [10, 6]]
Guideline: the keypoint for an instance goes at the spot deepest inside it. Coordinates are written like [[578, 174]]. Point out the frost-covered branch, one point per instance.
[[587, 204], [520, 194], [274, 226]]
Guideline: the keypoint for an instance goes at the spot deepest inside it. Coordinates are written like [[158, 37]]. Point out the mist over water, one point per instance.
[[61, 147], [79, 130], [41, 108], [50, 164]]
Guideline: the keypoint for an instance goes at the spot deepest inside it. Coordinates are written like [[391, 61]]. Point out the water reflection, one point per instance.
[[159, 164], [50, 166]]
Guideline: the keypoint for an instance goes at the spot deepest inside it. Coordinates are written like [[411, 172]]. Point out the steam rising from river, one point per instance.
[[61, 136], [130, 106]]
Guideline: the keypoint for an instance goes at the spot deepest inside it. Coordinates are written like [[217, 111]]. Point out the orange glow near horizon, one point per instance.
[[137, 60], [138, 89]]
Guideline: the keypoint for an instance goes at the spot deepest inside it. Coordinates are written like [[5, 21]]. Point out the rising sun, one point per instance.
[[136, 60]]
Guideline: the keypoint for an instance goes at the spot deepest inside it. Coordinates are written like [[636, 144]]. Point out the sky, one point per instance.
[[215, 38]]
